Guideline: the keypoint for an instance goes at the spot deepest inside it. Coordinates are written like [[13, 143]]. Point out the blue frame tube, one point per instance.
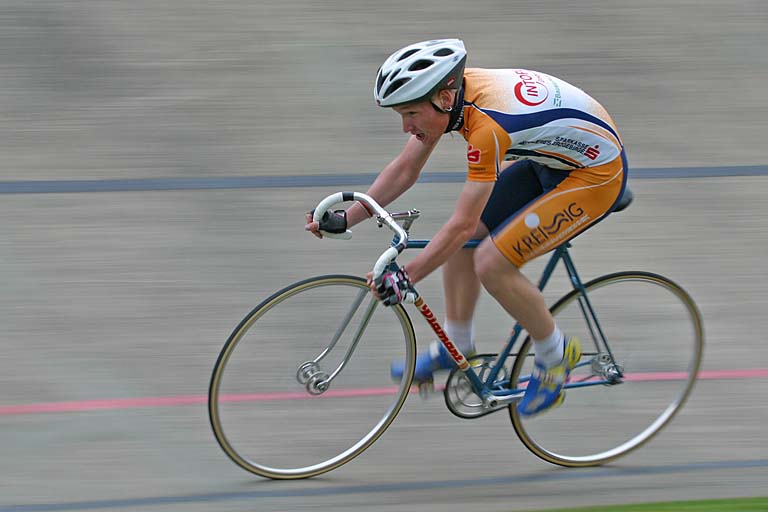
[[484, 389], [546, 274]]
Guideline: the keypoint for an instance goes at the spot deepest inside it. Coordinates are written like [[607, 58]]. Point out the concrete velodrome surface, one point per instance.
[[130, 295]]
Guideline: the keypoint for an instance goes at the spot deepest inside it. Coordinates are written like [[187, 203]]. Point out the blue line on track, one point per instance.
[[289, 491], [313, 180]]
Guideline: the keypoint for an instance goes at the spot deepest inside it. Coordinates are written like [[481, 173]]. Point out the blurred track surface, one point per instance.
[[129, 295]]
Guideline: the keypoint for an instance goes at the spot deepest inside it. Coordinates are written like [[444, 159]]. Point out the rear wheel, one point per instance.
[[642, 351]]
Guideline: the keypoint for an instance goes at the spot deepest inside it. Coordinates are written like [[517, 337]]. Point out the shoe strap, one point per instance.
[[546, 376]]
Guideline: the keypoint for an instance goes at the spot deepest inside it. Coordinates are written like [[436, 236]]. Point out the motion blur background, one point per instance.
[[131, 294]]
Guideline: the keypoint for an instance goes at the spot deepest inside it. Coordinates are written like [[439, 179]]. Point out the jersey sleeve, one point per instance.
[[485, 152]]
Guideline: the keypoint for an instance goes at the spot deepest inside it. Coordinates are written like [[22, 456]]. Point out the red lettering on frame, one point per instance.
[[460, 360]]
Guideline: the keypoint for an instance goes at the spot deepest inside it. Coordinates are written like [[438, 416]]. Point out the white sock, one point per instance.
[[462, 335], [549, 351]]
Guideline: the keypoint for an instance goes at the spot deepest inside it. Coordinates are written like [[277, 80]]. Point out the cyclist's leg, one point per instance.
[[461, 288], [518, 188], [518, 184], [577, 201], [514, 291], [461, 284]]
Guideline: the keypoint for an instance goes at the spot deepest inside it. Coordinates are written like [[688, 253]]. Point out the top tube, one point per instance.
[[471, 244], [420, 244]]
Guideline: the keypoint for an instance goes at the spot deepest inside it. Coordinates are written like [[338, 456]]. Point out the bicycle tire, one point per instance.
[[605, 409], [258, 345]]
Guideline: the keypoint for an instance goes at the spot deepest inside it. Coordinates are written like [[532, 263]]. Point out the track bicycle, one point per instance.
[[302, 385]]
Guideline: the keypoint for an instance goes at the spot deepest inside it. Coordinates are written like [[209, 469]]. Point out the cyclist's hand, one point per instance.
[[394, 287], [312, 226], [332, 222]]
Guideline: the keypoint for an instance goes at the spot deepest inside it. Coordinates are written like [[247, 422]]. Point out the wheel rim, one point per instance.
[[338, 400], [650, 396]]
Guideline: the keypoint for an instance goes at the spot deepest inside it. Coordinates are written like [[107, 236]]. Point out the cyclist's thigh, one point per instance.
[[518, 185], [578, 201]]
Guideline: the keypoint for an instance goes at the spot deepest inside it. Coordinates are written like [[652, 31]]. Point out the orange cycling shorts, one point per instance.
[[534, 209]]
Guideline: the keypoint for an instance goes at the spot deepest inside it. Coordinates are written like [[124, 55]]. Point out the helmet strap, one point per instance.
[[456, 112], [439, 109]]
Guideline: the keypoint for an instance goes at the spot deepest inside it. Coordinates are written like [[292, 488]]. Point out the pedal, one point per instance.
[[426, 388]]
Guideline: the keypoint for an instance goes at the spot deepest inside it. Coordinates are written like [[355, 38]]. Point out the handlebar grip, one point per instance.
[[339, 236], [401, 239], [331, 200], [326, 205]]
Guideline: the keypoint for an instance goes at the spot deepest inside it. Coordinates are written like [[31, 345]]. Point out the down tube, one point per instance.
[[456, 354]]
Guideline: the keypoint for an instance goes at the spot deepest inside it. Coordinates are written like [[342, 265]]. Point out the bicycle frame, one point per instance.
[[475, 387], [493, 393]]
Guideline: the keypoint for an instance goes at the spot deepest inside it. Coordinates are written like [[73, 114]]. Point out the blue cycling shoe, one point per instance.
[[427, 363], [545, 389]]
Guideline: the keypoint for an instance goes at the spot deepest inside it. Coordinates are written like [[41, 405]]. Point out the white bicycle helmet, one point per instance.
[[417, 71]]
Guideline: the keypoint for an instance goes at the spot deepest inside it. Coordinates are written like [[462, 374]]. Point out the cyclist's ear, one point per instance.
[[445, 98]]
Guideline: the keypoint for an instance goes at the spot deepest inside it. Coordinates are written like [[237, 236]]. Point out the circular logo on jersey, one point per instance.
[[532, 220], [530, 90]]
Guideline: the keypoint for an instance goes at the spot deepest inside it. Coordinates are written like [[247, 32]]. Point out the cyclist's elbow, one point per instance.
[[463, 228]]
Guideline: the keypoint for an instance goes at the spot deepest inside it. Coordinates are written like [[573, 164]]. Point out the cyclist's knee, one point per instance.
[[490, 263]]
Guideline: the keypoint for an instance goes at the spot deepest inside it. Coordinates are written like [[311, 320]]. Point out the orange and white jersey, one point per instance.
[[511, 114]]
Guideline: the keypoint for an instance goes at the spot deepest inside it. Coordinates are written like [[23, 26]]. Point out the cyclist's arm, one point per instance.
[[455, 233], [396, 178]]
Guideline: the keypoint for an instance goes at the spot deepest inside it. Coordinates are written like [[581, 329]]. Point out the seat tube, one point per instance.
[[560, 253], [571, 269], [587, 310]]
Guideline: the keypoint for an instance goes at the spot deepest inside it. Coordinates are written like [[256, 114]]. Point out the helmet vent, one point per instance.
[[420, 64], [395, 86], [414, 73], [407, 54], [380, 81]]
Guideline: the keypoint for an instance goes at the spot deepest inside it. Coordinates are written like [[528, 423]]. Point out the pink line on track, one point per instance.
[[172, 401], [750, 373]]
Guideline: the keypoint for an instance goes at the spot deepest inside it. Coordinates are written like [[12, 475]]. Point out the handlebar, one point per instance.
[[384, 218]]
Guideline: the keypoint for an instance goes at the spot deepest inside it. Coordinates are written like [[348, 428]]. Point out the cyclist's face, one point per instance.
[[422, 121]]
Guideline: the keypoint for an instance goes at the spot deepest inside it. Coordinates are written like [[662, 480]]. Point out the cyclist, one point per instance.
[[545, 162]]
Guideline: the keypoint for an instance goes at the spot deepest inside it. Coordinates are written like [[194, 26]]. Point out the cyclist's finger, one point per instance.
[[371, 285], [314, 228]]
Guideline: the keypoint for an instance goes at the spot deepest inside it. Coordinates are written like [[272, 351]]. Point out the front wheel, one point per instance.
[[302, 385], [642, 341]]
